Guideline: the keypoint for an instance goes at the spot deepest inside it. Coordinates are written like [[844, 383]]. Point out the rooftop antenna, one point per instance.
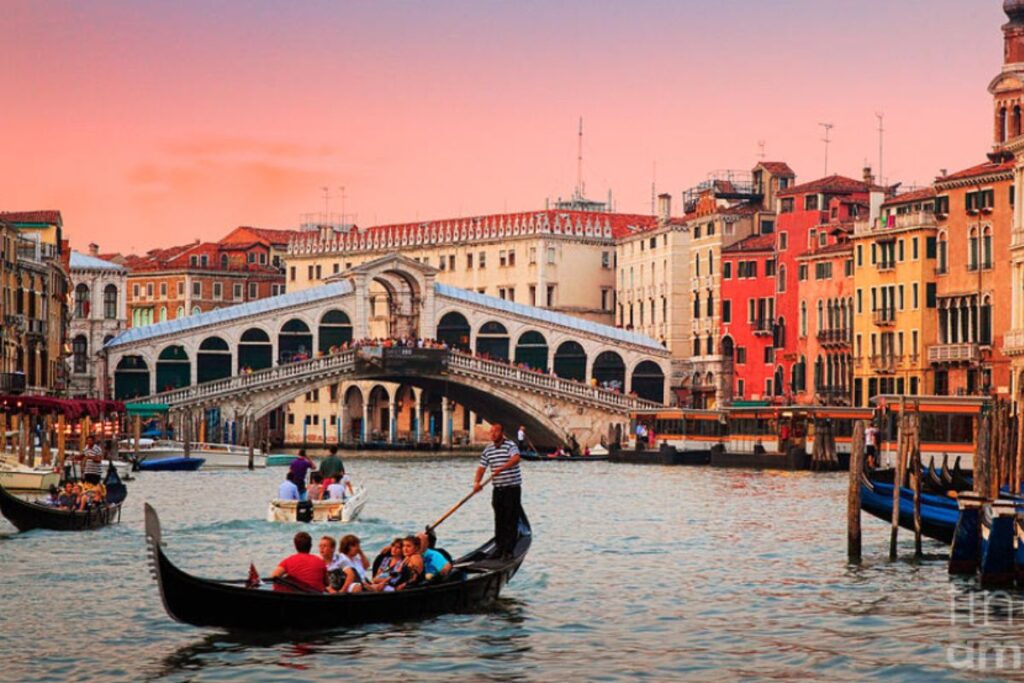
[[341, 192], [827, 139], [760, 147], [579, 162], [327, 200], [881, 134], [654, 182]]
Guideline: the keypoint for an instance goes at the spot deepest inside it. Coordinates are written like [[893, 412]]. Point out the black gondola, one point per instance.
[[476, 580], [26, 515]]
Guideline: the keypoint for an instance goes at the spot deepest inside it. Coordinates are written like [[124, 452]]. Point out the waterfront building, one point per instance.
[[824, 323], [812, 217], [747, 315], [724, 209], [98, 314], [35, 302], [167, 284], [561, 259], [898, 259]]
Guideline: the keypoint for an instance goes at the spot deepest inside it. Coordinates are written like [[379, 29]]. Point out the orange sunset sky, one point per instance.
[[149, 124]]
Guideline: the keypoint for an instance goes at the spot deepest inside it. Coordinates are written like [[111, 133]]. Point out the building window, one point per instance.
[[726, 270], [502, 261], [236, 291], [135, 291], [533, 255], [972, 249], [291, 273], [482, 260], [802, 272], [110, 302], [781, 284], [197, 289], [914, 248], [848, 267], [823, 271], [163, 290], [469, 261], [727, 312], [551, 296], [254, 290], [81, 301], [606, 259], [149, 290], [986, 248], [79, 350], [741, 354], [786, 205], [606, 299], [204, 260], [551, 255], [218, 291], [783, 241]]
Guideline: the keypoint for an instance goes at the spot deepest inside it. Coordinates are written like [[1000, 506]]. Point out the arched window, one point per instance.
[[224, 261], [821, 316], [163, 313], [697, 262], [1001, 125], [110, 302], [986, 247], [696, 346], [781, 280], [972, 249], [709, 345], [81, 301], [196, 310], [986, 321], [711, 262], [943, 253], [79, 352], [803, 318]]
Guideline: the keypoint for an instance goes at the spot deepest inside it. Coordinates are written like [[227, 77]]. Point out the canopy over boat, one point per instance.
[[72, 409], [475, 581]]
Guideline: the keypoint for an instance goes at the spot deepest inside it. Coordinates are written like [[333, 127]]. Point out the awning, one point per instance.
[[147, 409]]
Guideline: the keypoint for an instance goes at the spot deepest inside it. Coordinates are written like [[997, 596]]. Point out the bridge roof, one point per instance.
[[548, 316], [267, 305]]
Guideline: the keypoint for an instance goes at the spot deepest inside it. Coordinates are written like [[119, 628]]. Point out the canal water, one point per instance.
[[636, 572]]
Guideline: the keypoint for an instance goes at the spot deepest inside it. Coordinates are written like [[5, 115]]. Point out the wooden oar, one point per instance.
[[462, 502]]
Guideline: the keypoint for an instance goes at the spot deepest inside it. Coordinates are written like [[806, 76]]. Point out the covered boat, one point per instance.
[[26, 515], [318, 511], [476, 581]]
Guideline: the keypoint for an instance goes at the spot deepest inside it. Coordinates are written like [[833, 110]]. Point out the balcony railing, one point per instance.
[[1013, 343], [918, 219], [884, 363], [954, 353], [761, 327], [12, 382], [833, 337], [884, 317], [886, 266]]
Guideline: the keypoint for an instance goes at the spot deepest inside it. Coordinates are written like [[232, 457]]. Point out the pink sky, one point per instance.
[[149, 124]]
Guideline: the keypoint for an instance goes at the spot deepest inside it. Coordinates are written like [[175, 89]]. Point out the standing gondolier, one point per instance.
[[502, 457], [92, 461]]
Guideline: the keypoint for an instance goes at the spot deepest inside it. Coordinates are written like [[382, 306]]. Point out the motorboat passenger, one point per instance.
[[299, 468], [303, 569], [288, 490], [331, 467], [316, 487], [341, 488]]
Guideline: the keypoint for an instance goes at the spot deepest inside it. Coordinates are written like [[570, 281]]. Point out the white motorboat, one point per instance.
[[323, 510], [14, 475], [599, 450], [217, 455]]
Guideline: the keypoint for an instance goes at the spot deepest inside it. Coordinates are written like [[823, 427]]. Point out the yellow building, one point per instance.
[[895, 298], [561, 259]]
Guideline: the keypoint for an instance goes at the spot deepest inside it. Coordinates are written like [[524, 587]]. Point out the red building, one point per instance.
[[748, 313], [808, 218]]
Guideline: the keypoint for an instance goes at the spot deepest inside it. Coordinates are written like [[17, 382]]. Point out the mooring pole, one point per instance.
[[250, 426], [898, 474], [853, 538], [915, 460]]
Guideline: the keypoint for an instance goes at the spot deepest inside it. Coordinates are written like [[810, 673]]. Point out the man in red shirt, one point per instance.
[[302, 568]]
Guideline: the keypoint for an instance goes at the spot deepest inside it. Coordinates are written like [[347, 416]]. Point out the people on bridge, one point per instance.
[[501, 456], [288, 490], [331, 466], [304, 570]]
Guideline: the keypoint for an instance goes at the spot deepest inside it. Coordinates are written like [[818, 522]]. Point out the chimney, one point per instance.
[[94, 249], [664, 207], [869, 177]]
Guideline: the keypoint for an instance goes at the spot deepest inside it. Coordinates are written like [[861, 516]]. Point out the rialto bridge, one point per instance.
[[508, 362]]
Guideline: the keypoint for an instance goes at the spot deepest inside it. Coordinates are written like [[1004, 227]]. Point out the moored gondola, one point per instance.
[[939, 515], [476, 580], [26, 515]]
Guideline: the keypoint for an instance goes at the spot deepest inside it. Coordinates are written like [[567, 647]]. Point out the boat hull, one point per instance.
[[323, 511], [202, 602], [27, 516], [28, 480], [171, 465], [938, 519]]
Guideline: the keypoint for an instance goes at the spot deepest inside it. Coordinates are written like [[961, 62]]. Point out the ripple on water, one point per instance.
[[653, 573]]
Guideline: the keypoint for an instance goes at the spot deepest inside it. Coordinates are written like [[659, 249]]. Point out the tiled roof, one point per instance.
[[246, 233], [31, 216], [229, 313], [981, 169], [836, 248], [86, 262], [547, 316], [780, 168], [915, 196], [833, 184], [752, 243]]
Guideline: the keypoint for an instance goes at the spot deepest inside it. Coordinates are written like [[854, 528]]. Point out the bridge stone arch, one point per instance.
[[295, 337], [173, 368], [455, 329], [131, 377], [492, 340], [334, 329], [532, 350], [255, 349], [647, 381], [570, 360], [213, 359], [609, 370]]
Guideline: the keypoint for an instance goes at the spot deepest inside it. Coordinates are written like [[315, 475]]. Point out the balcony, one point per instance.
[[886, 266], [15, 320], [1013, 343], [761, 327], [918, 219], [12, 382], [884, 363], [884, 317], [835, 337], [954, 353], [37, 327]]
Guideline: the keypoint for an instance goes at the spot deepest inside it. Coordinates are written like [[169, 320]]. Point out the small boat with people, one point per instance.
[[20, 477], [215, 455], [330, 510], [78, 507], [474, 581]]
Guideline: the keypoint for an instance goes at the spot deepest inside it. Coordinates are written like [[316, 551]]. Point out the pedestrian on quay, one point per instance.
[[501, 455]]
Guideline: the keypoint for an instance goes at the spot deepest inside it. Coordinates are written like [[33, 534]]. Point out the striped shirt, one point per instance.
[[496, 456]]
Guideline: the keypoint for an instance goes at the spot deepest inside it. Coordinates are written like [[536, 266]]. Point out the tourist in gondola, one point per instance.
[[329, 554], [412, 564], [69, 497], [299, 468], [92, 461], [288, 490], [353, 564], [502, 457], [304, 569], [389, 569], [435, 565]]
